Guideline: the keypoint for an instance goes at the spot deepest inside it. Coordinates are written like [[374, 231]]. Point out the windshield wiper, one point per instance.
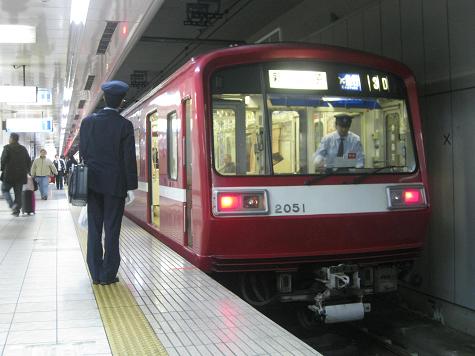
[[362, 177], [329, 172]]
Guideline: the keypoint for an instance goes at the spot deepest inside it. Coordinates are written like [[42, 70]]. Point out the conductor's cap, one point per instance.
[[115, 88], [343, 120]]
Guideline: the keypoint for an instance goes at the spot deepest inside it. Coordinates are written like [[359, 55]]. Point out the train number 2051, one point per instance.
[[289, 208]]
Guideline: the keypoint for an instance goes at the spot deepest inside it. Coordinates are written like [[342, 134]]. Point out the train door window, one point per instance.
[[154, 124], [172, 144], [238, 135], [398, 146]]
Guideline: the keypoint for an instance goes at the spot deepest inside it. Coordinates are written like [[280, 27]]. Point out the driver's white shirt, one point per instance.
[[328, 149]]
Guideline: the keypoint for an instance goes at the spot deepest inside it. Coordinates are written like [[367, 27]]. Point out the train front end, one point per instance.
[[327, 230]]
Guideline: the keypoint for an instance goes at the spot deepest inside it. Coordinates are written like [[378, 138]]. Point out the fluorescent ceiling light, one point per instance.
[[30, 125], [79, 11], [17, 34], [16, 94]]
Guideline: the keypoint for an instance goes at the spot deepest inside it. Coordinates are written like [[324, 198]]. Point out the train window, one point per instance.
[[305, 138], [238, 132], [172, 143], [290, 128]]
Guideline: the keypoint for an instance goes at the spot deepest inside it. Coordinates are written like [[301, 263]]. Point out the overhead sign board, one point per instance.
[[30, 125]]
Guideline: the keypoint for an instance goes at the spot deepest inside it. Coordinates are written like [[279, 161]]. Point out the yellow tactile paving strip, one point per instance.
[[127, 329]]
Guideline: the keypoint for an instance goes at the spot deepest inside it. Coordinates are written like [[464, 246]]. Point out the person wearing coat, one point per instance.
[[107, 148], [15, 164], [41, 169]]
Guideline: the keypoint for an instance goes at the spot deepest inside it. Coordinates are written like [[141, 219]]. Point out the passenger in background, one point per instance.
[[41, 169], [15, 164], [61, 168], [107, 147], [340, 144], [229, 165]]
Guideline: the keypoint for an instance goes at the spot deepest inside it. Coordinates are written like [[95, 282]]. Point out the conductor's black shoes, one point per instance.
[[105, 283]]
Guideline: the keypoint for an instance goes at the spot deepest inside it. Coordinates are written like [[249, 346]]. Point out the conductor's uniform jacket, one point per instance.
[[107, 147]]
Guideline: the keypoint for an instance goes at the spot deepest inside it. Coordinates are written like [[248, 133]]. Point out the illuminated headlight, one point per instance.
[[406, 197], [232, 202]]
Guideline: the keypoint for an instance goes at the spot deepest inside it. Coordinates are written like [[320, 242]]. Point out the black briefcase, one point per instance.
[[77, 186]]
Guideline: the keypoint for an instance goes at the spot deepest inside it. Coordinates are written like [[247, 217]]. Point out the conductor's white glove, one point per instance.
[[130, 197]]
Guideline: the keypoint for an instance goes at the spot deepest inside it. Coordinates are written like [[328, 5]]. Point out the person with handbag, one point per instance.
[[15, 164], [41, 169], [107, 148]]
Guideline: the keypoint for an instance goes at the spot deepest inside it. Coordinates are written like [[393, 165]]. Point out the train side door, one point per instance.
[[153, 125], [188, 163]]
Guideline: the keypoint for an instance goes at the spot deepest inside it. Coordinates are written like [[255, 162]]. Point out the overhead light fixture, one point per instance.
[[17, 34], [79, 10], [30, 125], [12, 94]]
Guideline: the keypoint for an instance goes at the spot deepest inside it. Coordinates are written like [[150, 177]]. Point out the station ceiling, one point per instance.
[[138, 41]]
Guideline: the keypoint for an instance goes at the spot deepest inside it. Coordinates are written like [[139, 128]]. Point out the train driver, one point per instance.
[[341, 148]]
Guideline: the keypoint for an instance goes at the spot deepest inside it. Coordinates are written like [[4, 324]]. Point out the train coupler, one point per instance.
[[341, 282]]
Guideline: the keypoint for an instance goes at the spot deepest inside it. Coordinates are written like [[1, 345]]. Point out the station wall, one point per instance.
[[435, 39]]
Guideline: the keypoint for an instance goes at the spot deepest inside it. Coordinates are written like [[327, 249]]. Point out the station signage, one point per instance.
[[298, 79]]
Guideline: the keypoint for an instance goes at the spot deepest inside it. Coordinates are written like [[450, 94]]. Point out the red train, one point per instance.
[[226, 158]]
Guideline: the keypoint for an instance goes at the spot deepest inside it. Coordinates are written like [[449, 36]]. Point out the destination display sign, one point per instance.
[[318, 77], [298, 79]]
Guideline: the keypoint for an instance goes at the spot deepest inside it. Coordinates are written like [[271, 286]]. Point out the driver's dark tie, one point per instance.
[[340, 148]]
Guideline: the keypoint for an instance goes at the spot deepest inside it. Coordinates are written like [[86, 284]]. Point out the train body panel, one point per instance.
[[182, 140]]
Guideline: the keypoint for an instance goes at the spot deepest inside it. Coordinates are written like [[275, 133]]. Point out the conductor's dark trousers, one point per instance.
[[103, 211]]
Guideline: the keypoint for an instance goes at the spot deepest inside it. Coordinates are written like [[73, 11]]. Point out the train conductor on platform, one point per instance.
[[107, 147]]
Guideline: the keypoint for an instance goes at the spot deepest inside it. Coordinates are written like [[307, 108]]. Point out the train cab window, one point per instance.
[[290, 129], [238, 132], [172, 141], [302, 133]]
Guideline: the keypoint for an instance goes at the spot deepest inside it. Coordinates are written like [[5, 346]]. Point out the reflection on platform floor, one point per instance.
[[48, 305]]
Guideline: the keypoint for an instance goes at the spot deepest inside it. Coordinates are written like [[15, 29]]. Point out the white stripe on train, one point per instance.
[[309, 200]]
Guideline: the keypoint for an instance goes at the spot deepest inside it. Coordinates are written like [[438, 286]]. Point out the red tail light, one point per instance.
[[240, 202], [406, 197], [229, 202], [412, 196]]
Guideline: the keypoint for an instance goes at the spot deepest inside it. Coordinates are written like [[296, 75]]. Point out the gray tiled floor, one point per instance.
[[191, 313], [47, 306]]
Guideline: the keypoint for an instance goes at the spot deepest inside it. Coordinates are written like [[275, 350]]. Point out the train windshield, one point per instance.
[[301, 122]]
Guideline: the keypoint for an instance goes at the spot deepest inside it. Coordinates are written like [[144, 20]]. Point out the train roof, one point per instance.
[[281, 50]]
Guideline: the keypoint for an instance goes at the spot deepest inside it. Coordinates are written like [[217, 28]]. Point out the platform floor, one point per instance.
[[49, 307]]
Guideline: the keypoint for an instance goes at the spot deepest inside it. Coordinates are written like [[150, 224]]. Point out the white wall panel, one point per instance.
[[461, 15], [412, 37], [355, 32], [391, 29], [436, 46], [437, 264], [464, 190], [372, 30]]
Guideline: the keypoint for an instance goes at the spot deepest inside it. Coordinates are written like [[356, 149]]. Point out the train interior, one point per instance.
[[294, 127]]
